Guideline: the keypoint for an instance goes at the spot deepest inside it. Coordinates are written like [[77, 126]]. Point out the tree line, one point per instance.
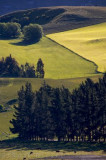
[[56, 113], [9, 67]]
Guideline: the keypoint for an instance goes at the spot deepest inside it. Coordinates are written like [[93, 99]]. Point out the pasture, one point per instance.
[[10, 86], [89, 42], [16, 150], [59, 62]]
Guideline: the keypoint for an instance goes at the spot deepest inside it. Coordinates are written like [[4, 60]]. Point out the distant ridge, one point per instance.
[[7, 6], [57, 19]]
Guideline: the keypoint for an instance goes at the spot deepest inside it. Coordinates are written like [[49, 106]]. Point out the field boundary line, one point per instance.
[[96, 70]]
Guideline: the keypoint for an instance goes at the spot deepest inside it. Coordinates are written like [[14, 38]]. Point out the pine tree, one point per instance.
[[23, 115], [40, 69]]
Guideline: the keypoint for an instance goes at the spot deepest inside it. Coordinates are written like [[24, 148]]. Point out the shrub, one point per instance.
[[32, 33], [1, 108], [10, 30], [3, 29]]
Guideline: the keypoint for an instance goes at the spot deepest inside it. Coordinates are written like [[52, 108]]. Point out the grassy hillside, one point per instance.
[[10, 86], [89, 42], [5, 124], [60, 63], [7, 6], [56, 19]]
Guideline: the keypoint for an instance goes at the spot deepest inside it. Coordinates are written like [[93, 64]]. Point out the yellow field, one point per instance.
[[16, 150], [89, 42], [60, 63]]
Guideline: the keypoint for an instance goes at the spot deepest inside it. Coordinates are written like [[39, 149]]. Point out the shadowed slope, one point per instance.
[[56, 19]]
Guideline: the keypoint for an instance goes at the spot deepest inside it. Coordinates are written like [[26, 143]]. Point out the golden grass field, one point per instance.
[[16, 150], [89, 42], [60, 63]]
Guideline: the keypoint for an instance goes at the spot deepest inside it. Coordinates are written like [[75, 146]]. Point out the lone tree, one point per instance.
[[40, 69], [32, 33]]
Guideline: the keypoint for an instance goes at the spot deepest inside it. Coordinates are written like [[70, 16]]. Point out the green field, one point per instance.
[[10, 86], [60, 63], [89, 42], [5, 117]]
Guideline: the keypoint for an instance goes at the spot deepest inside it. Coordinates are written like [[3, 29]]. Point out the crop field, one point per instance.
[[89, 42], [60, 63]]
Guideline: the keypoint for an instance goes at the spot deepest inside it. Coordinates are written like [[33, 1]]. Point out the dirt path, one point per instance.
[[84, 157]]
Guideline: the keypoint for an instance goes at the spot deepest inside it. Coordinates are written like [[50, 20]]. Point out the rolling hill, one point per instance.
[[7, 6], [14, 85], [89, 42], [57, 19], [60, 63]]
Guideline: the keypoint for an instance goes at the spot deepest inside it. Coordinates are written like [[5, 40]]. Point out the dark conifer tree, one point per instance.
[[40, 69], [45, 126], [55, 112], [23, 115], [18, 121]]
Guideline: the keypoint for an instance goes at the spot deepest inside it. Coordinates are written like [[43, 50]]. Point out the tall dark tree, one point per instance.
[[40, 69], [23, 115], [43, 114], [11, 67]]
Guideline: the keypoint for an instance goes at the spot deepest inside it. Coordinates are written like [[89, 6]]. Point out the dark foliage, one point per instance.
[[10, 30], [40, 69], [32, 33], [10, 68], [56, 113], [2, 109]]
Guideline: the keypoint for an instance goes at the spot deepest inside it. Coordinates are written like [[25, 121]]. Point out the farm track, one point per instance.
[[84, 157]]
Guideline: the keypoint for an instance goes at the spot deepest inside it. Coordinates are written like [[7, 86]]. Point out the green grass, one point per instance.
[[60, 63], [10, 86], [5, 117], [89, 42], [16, 150]]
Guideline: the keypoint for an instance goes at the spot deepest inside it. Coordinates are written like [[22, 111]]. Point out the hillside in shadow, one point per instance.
[[56, 19]]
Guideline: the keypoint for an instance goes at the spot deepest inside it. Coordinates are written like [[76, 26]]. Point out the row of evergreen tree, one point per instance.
[[55, 113], [9, 67]]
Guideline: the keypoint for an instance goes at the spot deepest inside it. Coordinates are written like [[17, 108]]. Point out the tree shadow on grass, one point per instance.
[[24, 43], [16, 144]]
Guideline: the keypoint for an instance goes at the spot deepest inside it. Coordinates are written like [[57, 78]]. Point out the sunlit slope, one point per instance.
[[59, 62], [89, 42]]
